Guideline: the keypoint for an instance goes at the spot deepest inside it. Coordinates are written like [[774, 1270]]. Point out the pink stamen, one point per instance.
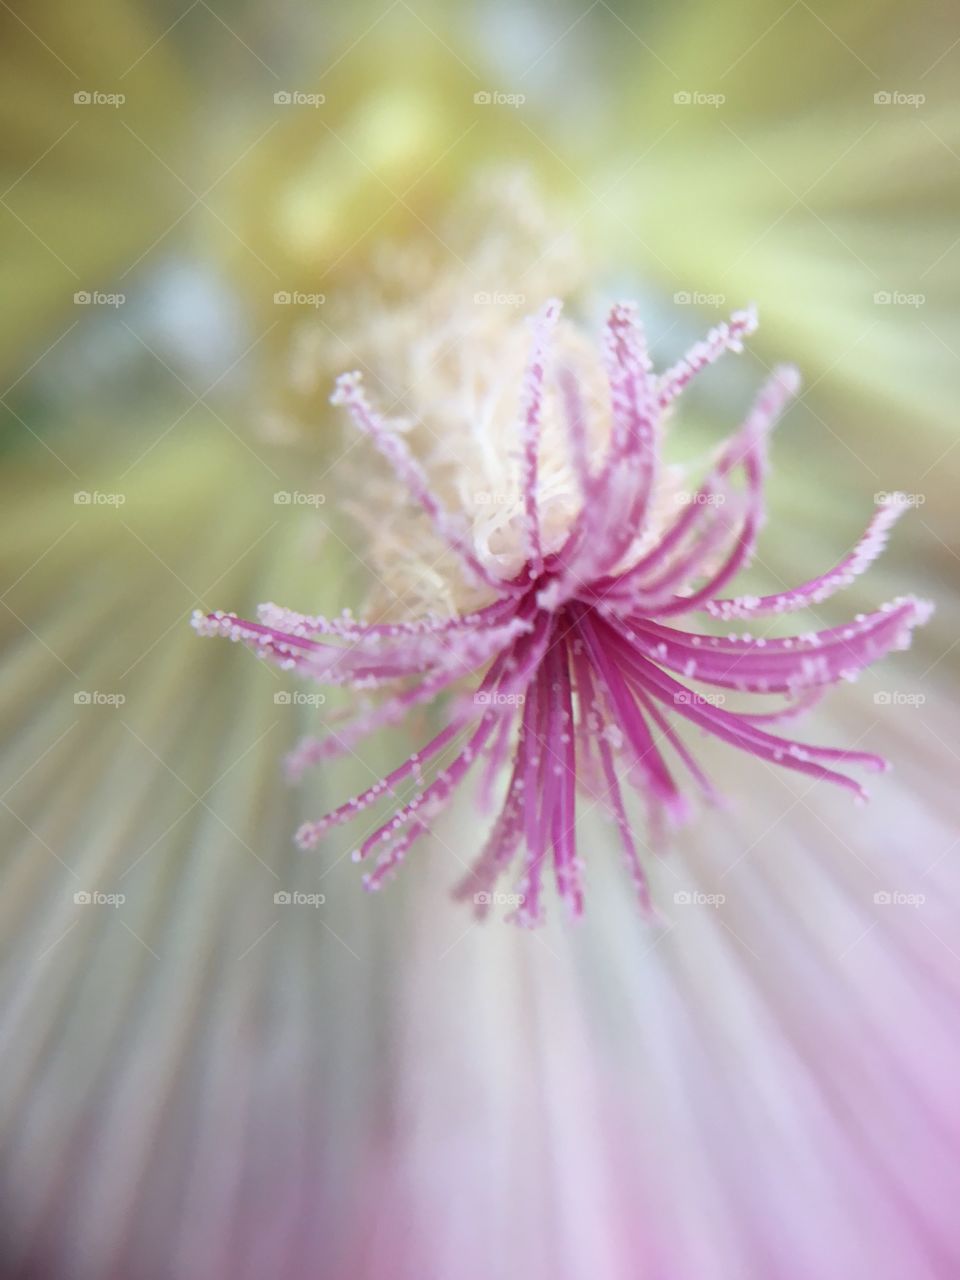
[[870, 545], [532, 421], [349, 392], [570, 665], [725, 337]]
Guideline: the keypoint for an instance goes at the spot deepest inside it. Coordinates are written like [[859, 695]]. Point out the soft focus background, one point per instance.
[[201, 1082]]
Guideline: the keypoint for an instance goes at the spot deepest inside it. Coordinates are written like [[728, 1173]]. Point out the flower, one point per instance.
[[260, 1089], [572, 628]]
